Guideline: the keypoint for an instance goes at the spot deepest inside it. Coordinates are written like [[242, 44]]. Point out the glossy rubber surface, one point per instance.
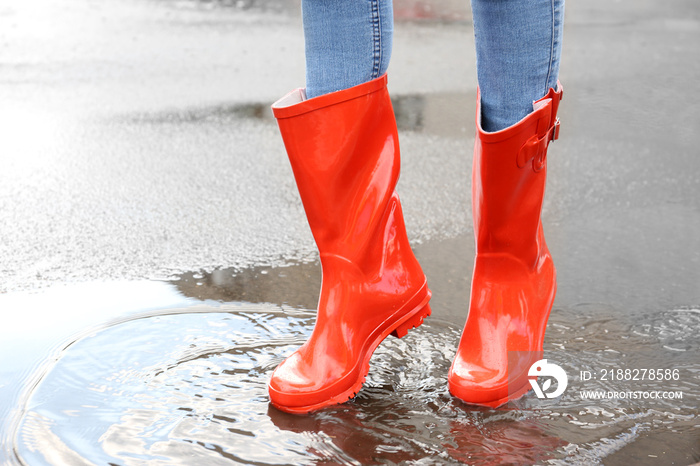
[[514, 279], [343, 148]]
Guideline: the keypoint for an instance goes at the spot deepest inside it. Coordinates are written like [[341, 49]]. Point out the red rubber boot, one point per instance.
[[344, 151], [514, 279]]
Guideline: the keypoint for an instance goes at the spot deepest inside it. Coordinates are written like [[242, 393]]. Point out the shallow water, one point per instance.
[[187, 385]]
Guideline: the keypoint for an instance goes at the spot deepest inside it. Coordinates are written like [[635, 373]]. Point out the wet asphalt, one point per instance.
[[136, 143]]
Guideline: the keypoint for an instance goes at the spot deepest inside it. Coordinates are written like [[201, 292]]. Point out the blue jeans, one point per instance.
[[518, 49], [348, 42]]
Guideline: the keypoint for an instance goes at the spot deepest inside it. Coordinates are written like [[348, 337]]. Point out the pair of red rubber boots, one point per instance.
[[344, 152]]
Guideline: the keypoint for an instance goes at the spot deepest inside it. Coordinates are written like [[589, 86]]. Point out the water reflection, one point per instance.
[[517, 441]]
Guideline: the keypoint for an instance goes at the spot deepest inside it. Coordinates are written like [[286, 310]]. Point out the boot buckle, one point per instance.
[[555, 130]]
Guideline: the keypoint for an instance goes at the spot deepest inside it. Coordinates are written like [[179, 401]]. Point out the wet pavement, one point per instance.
[[142, 178]]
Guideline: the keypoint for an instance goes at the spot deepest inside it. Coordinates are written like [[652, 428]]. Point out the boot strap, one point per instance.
[[535, 148]]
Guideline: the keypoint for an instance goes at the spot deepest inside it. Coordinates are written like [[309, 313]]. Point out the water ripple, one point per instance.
[[190, 388]]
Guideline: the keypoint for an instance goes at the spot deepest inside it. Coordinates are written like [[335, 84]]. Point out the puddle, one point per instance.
[[437, 114], [186, 382], [187, 385]]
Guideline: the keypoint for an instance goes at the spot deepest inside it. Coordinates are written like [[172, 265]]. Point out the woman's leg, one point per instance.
[[514, 280], [343, 147], [518, 49], [348, 42]]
